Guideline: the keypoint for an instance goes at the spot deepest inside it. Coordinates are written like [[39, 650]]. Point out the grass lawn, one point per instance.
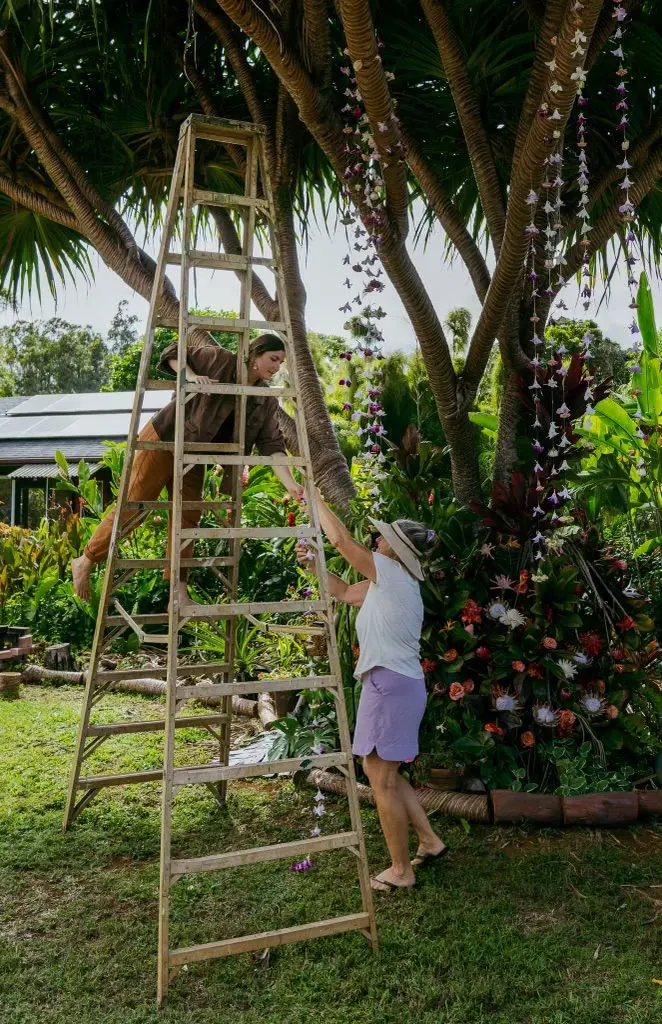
[[516, 927]]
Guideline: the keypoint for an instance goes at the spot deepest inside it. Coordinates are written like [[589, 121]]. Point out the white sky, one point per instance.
[[323, 274]]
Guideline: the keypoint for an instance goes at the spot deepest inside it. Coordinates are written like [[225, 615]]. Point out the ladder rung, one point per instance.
[[239, 389], [140, 620], [101, 781], [218, 773], [211, 668], [163, 563], [189, 447], [157, 725], [218, 260], [247, 460], [262, 940], [214, 611], [231, 325], [245, 532], [258, 854], [164, 505], [228, 199], [203, 690]]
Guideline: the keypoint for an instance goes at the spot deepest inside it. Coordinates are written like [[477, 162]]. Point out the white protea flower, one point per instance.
[[593, 704], [545, 715], [512, 618], [506, 702], [569, 670]]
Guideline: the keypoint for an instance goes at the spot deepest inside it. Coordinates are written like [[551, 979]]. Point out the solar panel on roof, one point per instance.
[[102, 401]]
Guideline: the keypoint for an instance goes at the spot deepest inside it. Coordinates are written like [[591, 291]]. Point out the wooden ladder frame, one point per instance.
[[82, 789]]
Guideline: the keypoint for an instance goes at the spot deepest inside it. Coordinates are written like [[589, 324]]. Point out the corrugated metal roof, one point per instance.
[[45, 471]]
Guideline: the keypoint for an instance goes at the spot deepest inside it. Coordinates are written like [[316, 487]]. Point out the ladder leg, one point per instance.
[[187, 143], [72, 807]]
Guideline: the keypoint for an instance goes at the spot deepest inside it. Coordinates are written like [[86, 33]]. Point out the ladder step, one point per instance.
[[263, 940], [210, 668], [244, 460], [203, 690], [219, 260], [258, 854], [208, 506], [227, 199], [213, 611], [218, 773], [221, 127], [239, 389], [189, 447], [101, 781], [157, 725], [245, 532], [163, 563], [231, 325]]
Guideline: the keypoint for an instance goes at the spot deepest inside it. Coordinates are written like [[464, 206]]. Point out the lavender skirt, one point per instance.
[[390, 712]]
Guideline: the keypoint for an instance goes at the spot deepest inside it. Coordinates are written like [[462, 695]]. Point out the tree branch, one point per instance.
[[315, 32], [37, 203], [447, 215], [468, 110], [527, 174], [362, 45]]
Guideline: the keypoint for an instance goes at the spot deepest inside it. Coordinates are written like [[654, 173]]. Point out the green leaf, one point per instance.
[[63, 465], [487, 420], [646, 318]]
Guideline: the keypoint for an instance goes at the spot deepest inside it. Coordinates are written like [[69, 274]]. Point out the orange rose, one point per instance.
[[612, 711], [527, 739], [495, 729], [429, 665], [450, 655], [469, 685], [549, 643], [518, 666], [456, 691]]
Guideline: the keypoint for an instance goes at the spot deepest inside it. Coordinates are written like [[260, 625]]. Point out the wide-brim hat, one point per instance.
[[401, 546]]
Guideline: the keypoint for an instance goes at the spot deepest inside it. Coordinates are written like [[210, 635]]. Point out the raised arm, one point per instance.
[[353, 594], [358, 556]]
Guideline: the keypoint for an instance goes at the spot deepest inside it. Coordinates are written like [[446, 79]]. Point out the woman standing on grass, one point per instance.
[[393, 696]]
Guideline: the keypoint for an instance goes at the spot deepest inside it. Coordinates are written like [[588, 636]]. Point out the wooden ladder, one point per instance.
[[114, 620]]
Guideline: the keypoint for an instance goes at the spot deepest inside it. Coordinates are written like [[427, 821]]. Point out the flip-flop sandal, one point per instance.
[[427, 858], [391, 887]]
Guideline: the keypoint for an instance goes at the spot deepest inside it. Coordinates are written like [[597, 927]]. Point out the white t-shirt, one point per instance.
[[390, 621]]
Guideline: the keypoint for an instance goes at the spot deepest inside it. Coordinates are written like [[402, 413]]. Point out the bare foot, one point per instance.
[[391, 879], [81, 569]]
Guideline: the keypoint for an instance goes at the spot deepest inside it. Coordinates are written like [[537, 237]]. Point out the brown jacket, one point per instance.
[[206, 414]]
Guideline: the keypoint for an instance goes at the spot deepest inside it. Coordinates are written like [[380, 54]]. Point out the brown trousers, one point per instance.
[[152, 471]]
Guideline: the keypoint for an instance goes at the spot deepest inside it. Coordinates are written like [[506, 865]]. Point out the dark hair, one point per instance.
[[266, 343], [417, 534]]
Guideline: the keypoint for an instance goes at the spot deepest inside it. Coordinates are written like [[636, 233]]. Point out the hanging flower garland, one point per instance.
[[364, 189]]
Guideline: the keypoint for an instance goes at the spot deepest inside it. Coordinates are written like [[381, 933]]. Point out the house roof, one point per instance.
[[45, 471], [33, 428]]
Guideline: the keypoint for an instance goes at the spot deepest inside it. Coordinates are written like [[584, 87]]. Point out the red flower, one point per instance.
[[612, 711], [355, 650], [618, 654], [495, 729], [291, 519], [592, 643], [619, 563], [626, 623], [600, 686], [470, 612], [456, 691], [430, 498], [565, 694], [484, 653], [527, 739], [450, 656], [429, 665], [469, 685], [567, 721], [535, 671], [549, 643], [518, 666]]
